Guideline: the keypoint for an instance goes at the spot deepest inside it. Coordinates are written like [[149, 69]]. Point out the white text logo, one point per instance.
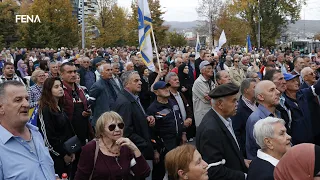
[[27, 19]]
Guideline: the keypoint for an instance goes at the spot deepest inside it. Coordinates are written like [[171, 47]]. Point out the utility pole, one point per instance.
[[210, 26], [259, 24], [83, 27]]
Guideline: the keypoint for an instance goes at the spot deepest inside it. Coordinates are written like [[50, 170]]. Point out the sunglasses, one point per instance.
[[274, 60], [112, 127], [235, 61]]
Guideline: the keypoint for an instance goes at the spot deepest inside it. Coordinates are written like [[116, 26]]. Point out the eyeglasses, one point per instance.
[[112, 127], [311, 73]]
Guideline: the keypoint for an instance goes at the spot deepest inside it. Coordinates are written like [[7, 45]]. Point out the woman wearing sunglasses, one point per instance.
[[111, 156]]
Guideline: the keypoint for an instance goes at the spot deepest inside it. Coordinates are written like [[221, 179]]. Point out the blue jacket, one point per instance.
[[239, 124], [169, 124], [251, 145], [301, 125]]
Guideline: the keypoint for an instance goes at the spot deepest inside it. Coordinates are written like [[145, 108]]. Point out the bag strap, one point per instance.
[[95, 156]]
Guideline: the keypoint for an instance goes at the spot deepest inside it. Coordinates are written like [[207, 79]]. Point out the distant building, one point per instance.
[[189, 35], [90, 9], [75, 6]]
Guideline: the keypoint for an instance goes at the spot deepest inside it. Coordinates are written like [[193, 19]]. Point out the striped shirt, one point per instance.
[[34, 95], [251, 105]]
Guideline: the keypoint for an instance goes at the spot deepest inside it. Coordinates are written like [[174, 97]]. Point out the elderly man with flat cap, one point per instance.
[[216, 140]]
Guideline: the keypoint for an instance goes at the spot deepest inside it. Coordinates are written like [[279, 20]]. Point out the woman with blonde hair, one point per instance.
[[111, 156], [38, 77], [185, 162]]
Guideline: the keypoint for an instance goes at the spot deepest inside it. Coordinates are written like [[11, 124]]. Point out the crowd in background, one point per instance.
[[244, 110]]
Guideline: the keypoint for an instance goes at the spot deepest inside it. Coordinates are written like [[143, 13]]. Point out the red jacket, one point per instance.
[[68, 102]]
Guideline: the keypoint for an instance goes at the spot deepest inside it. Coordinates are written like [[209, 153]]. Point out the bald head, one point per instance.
[[308, 75], [266, 93]]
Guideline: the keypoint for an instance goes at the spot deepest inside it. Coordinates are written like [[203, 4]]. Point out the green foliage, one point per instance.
[[235, 28], [274, 17], [8, 26], [175, 39], [112, 26], [57, 28], [157, 22]]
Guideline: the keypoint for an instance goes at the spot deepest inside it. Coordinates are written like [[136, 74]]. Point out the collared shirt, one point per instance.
[[228, 124], [181, 105], [283, 68], [19, 161], [260, 113], [34, 95], [250, 105], [267, 157], [116, 79], [282, 103], [14, 78]]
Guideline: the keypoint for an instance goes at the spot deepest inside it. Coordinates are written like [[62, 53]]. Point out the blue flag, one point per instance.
[[249, 47]]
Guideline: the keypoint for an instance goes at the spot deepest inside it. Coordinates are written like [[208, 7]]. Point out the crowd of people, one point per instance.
[[101, 113]]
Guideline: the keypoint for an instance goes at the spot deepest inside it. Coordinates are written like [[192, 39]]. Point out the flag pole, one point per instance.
[[155, 46]]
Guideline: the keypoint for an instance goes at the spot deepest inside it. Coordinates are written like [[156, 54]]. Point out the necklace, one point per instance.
[[109, 149]]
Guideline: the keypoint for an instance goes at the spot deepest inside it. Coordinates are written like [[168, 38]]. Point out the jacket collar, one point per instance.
[[228, 134]]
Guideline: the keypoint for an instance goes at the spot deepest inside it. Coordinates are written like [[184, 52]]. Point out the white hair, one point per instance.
[[264, 128], [125, 66], [304, 71]]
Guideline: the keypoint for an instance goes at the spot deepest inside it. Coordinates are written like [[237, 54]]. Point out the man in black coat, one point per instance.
[[87, 76], [136, 121], [274, 144], [216, 140], [198, 61], [246, 105]]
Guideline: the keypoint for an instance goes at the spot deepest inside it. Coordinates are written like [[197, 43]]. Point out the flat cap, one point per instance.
[[224, 90], [204, 64]]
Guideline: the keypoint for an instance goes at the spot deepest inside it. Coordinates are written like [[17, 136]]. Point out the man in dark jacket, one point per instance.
[[168, 131], [136, 120], [246, 105], [76, 107], [198, 61], [103, 93], [87, 76], [274, 144], [184, 107], [99, 58], [305, 110], [216, 140]]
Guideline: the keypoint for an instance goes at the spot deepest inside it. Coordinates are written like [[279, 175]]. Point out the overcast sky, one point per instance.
[[185, 10]]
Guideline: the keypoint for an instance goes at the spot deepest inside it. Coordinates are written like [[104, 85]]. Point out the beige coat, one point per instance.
[[237, 75], [200, 105]]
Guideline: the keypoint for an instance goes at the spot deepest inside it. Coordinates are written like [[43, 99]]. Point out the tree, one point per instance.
[[274, 16], [157, 22], [113, 31], [176, 39], [8, 26], [57, 28], [209, 10], [132, 38], [235, 28]]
